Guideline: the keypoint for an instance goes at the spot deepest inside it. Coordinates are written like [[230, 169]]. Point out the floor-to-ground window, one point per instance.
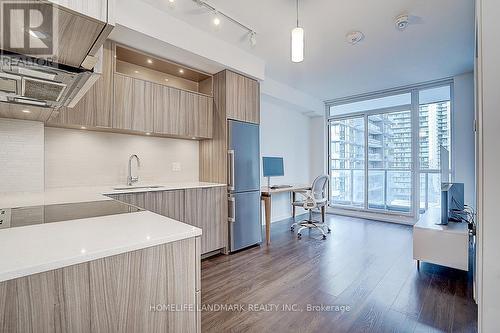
[[384, 151], [435, 131], [390, 161], [347, 147]]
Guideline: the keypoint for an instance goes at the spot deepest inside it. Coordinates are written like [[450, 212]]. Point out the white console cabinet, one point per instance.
[[446, 245]]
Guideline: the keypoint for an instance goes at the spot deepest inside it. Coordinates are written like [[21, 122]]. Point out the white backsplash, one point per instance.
[[87, 158], [21, 155]]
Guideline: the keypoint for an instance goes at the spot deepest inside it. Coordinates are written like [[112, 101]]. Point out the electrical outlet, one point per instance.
[[176, 166]]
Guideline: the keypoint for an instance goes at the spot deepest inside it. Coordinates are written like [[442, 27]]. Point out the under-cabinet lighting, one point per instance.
[[150, 61], [83, 127], [26, 111], [136, 72], [166, 80], [147, 133], [181, 71]]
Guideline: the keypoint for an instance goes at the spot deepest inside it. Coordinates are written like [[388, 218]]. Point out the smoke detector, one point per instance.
[[354, 37], [402, 22]]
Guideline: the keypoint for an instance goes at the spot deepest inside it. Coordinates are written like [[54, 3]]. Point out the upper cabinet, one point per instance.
[[242, 98], [78, 30], [97, 9], [125, 101], [133, 104], [95, 108], [160, 97]]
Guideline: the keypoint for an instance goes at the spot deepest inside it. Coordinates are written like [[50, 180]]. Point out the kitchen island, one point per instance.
[[115, 271]]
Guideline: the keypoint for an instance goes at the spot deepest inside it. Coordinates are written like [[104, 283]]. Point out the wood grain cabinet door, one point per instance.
[[206, 208], [168, 118], [125, 289], [53, 301], [94, 109], [242, 98], [75, 33], [133, 109]]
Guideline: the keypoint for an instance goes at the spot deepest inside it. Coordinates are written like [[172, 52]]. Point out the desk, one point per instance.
[[446, 245], [266, 196]]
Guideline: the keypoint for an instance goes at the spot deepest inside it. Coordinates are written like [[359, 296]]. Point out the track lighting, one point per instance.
[[218, 16], [216, 19]]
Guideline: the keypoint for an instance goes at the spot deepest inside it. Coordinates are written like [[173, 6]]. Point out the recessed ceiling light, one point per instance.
[[150, 61], [171, 1], [181, 71], [26, 111]]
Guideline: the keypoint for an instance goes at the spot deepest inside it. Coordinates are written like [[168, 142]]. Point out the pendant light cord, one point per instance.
[[297, 13]]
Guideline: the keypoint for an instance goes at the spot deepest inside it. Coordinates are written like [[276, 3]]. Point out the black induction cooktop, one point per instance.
[[24, 216]]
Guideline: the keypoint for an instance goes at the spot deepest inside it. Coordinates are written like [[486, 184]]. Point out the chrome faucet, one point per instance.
[[131, 180]]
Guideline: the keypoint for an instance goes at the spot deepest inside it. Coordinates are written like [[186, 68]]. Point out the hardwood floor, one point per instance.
[[364, 266]]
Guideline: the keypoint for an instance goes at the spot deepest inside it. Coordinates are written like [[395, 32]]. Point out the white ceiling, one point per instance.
[[440, 44]]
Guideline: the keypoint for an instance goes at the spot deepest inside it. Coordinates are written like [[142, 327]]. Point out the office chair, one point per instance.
[[317, 197]]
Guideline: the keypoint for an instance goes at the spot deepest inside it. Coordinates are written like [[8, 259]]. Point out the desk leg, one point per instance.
[[323, 208], [267, 209], [293, 207]]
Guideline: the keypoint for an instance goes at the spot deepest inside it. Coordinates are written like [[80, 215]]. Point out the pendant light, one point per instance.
[[297, 41]]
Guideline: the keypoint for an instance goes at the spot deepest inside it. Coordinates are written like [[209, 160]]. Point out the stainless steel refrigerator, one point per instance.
[[243, 185]]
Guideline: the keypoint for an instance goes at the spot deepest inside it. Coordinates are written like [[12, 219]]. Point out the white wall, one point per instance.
[[463, 135], [488, 190], [318, 150], [21, 156], [87, 158], [285, 133]]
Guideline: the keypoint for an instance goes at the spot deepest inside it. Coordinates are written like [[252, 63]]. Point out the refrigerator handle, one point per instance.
[[231, 209], [230, 170]]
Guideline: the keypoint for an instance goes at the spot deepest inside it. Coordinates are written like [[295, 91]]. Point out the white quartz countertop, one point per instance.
[[65, 195], [43, 247]]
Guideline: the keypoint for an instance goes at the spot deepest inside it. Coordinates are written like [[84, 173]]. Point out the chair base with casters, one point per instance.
[[310, 224], [315, 198]]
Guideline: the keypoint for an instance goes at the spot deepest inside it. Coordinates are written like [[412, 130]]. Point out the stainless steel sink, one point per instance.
[[152, 187]]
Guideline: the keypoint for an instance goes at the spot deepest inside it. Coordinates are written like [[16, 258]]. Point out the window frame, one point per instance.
[[414, 108]]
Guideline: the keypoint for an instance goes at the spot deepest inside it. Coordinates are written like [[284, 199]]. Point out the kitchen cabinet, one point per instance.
[[205, 208], [182, 113], [97, 9], [95, 107], [123, 289], [242, 98], [53, 301], [81, 28], [133, 104], [112, 294]]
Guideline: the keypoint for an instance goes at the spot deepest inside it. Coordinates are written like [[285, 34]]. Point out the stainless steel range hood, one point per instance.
[[30, 81], [68, 66]]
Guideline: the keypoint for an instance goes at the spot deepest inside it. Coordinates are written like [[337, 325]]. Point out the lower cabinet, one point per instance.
[[128, 292], [205, 208]]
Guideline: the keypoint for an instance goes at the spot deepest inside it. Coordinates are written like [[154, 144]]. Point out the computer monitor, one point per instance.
[[273, 166]]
